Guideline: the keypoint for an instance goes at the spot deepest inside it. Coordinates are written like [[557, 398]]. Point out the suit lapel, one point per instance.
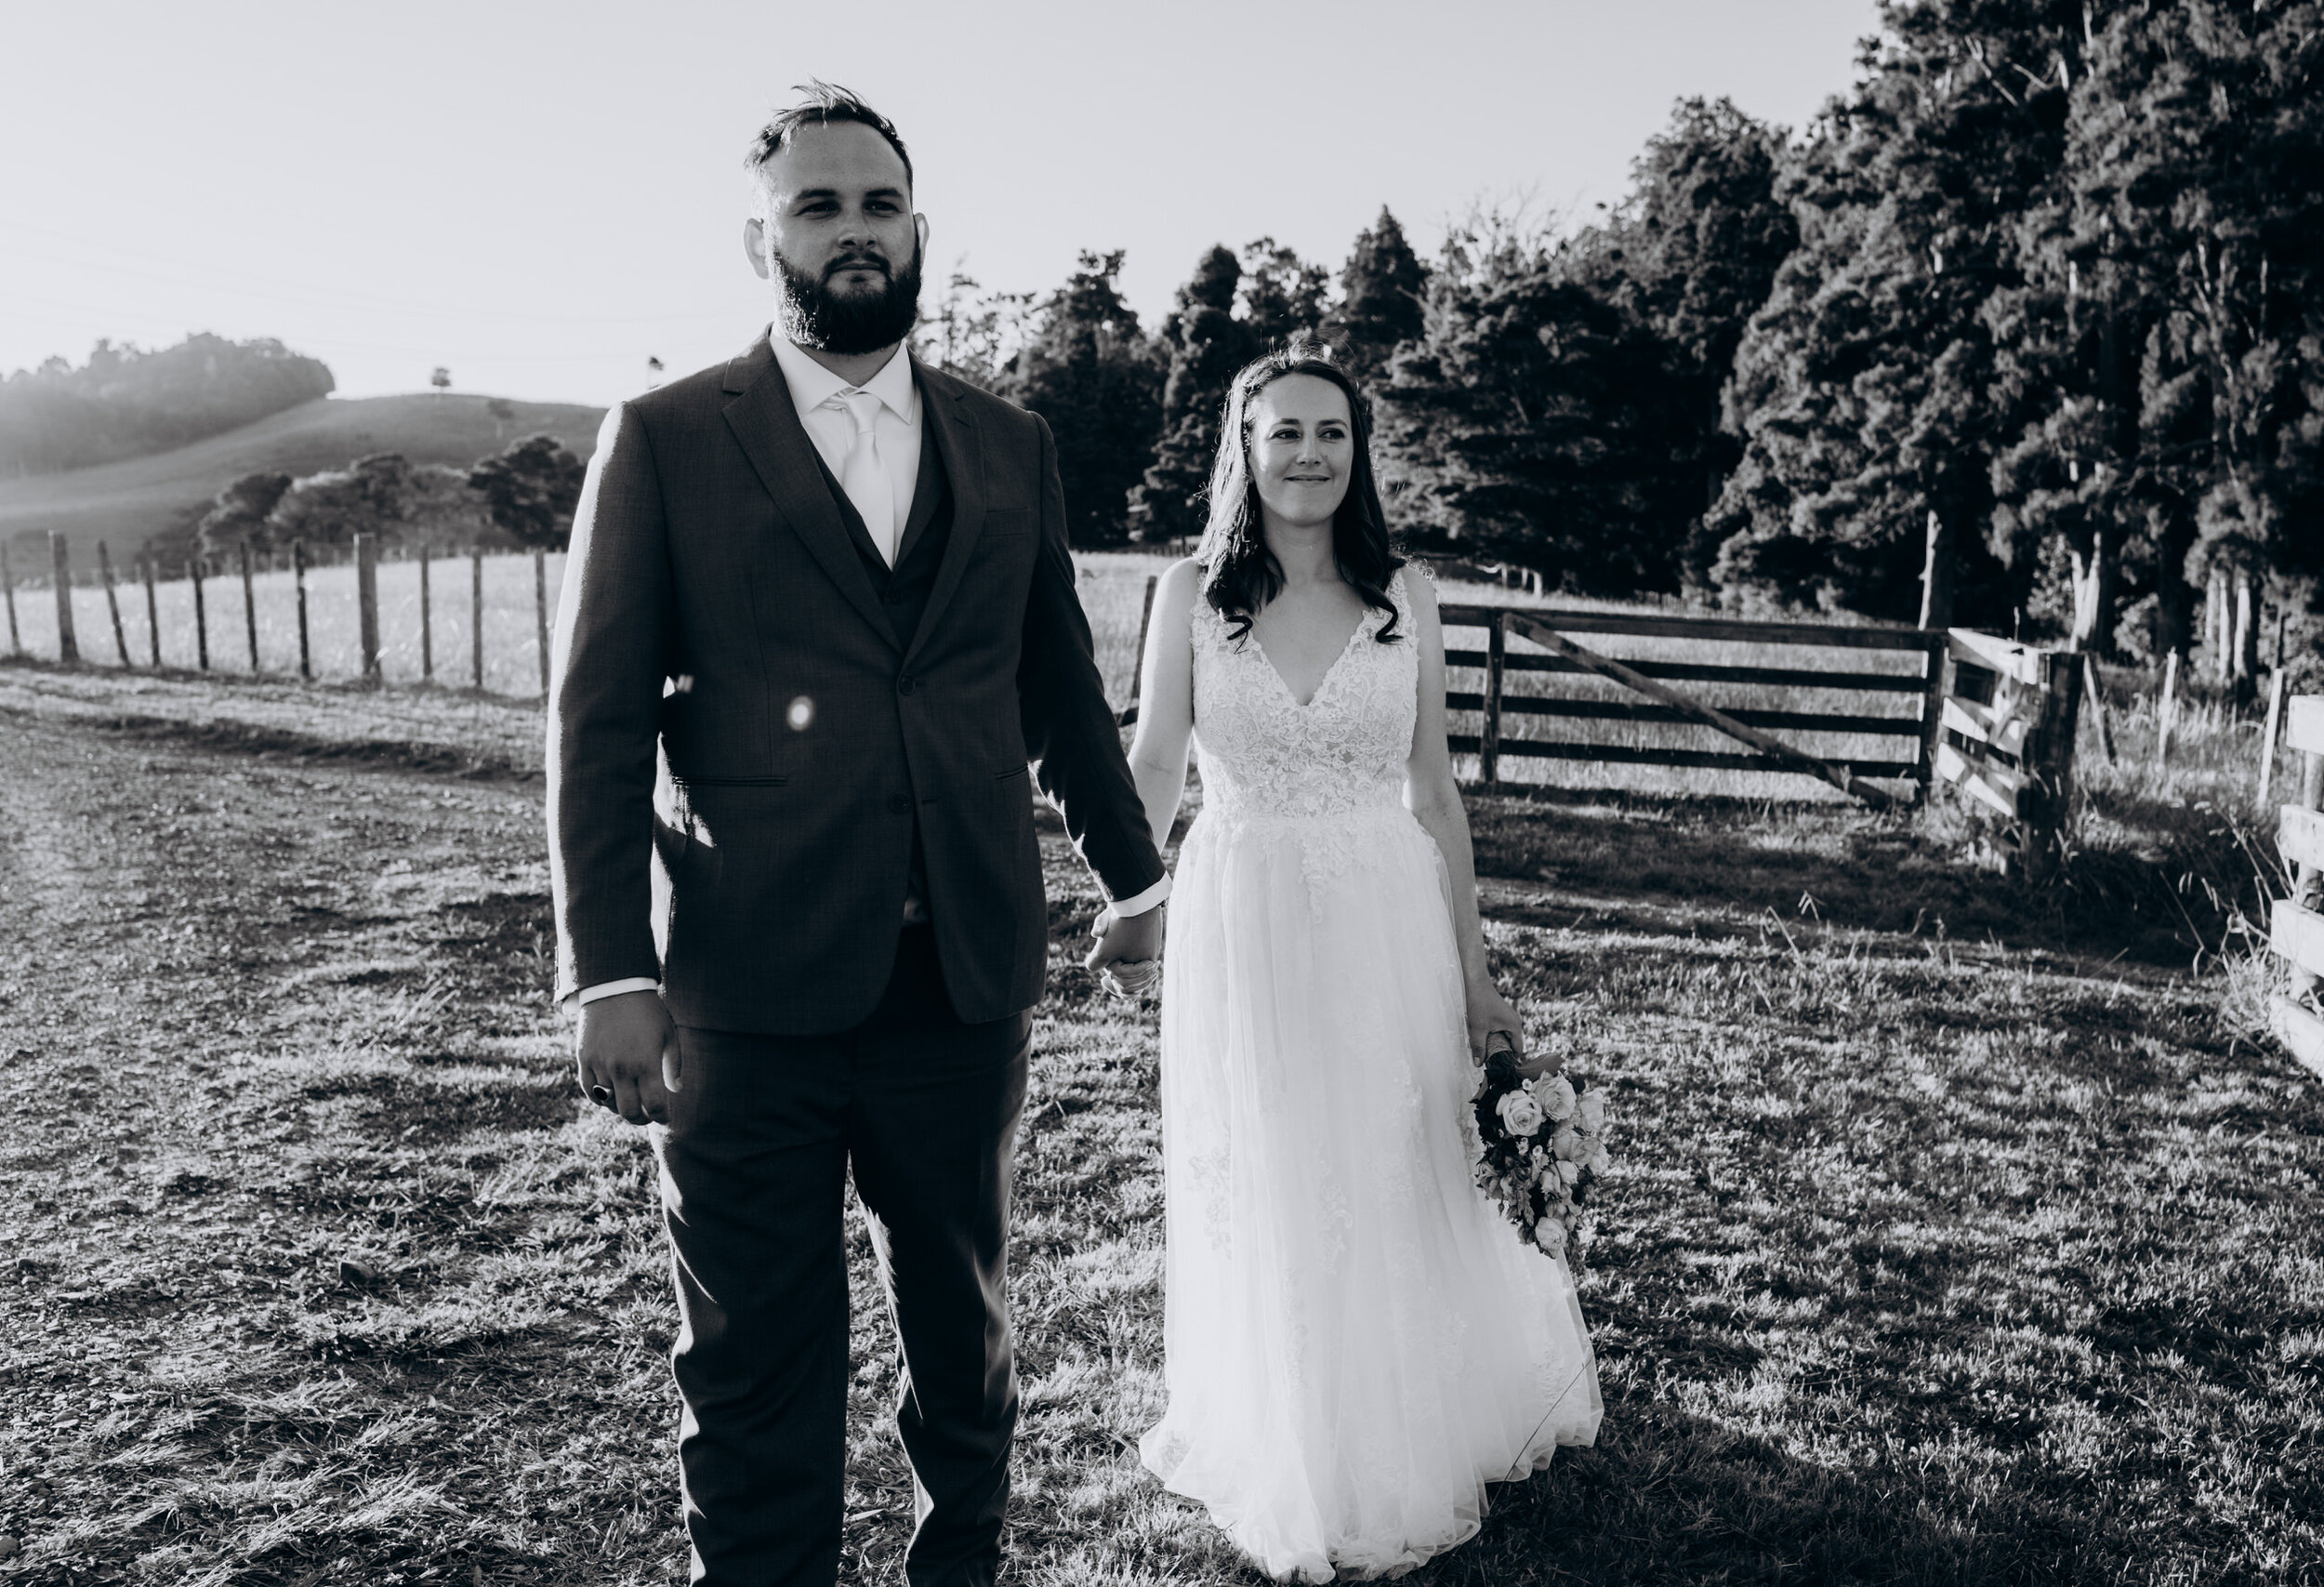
[[927, 491], [947, 424], [765, 424]]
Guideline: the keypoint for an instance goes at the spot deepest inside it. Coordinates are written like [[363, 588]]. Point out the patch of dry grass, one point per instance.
[[1954, 1238]]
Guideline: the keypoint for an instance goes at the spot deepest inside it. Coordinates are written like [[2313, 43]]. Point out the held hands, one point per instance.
[[1128, 957], [626, 1051]]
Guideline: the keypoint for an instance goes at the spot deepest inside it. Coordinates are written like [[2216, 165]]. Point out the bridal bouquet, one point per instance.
[[1544, 1148]]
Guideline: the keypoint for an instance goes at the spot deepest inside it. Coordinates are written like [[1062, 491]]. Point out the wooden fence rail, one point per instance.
[[2297, 933], [1995, 719], [1746, 726]]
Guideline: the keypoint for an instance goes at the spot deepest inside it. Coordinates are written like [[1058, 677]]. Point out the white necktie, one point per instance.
[[864, 477]]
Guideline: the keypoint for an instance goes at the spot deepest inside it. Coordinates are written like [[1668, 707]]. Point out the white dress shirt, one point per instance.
[[819, 395]]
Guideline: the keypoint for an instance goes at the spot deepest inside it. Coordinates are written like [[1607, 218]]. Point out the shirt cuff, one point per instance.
[[1138, 903], [614, 988]]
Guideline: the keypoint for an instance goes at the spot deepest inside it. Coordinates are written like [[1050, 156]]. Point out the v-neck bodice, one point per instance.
[[1265, 754]]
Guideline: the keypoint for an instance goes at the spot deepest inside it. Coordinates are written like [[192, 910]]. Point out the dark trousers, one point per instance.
[[762, 1132]]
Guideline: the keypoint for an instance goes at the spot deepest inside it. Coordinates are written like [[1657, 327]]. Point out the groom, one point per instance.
[[831, 587]]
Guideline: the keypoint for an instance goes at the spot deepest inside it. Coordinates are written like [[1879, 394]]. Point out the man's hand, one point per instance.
[[626, 1050], [1129, 952]]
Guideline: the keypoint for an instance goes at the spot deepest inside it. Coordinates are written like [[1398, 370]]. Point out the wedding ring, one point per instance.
[[601, 1095]]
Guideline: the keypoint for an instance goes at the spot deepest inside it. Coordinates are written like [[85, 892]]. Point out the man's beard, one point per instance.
[[810, 314]]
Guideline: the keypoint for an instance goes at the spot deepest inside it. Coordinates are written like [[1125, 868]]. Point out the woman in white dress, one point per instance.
[[1356, 1341]]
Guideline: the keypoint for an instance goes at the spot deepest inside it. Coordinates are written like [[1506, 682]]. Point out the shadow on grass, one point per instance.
[[1641, 861], [1670, 1498]]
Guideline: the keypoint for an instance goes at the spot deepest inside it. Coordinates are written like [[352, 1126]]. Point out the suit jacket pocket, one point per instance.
[[1007, 523]]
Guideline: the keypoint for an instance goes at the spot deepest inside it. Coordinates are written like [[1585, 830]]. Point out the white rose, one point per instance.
[[1569, 1172], [1555, 1093], [1520, 1114], [1567, 1145], [1590, 1111], [1599, 1157], [1550, 1236]]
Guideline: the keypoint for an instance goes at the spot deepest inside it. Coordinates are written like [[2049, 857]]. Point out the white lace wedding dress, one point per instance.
[[1356, 1342]]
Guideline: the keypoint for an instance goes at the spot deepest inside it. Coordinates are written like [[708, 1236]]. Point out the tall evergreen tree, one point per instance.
[[1379, 300], [1090, 371], [1282, 296], [1691, 253], [1525, 425], [1205, 345], [1865, 387], [2175, 330]]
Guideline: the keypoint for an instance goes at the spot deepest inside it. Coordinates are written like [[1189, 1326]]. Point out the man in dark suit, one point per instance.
[[833, 586]]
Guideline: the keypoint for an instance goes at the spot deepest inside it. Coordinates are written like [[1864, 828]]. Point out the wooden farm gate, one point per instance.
[[2298, 929], [1904, 747], [1995, 719]]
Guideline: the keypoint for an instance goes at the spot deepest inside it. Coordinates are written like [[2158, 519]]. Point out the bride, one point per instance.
[[1357, 1343]]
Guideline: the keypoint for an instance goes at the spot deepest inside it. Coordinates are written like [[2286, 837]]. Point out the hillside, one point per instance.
[[123, 503]]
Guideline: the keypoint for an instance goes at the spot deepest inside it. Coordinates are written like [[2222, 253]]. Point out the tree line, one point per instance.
[[2025, 331], [524, 496], [127, 402]]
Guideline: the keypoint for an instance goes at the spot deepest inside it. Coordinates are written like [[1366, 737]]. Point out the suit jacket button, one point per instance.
[[907, 683], [900, 804]]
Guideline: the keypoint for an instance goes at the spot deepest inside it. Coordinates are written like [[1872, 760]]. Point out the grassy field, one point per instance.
[[1960, 1236], [121, 503]]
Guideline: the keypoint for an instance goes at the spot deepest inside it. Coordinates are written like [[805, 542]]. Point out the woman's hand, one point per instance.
[[1489, 1011]]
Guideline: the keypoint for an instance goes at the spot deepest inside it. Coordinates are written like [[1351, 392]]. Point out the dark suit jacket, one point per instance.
[[761, 873]]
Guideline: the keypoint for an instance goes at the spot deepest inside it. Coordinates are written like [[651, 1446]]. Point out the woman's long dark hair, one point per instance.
[[1240, 574]]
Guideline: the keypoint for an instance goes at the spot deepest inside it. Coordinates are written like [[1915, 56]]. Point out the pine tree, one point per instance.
[[1090, 371], [1205, 345], [1379, 304], [1866, 388], [1282, 296], [1523, 425], [1691, 253]]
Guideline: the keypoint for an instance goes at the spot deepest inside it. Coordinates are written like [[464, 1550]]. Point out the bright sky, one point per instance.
[[540, 196]]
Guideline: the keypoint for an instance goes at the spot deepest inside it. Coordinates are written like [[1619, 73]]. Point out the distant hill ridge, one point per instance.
[[123, 503]]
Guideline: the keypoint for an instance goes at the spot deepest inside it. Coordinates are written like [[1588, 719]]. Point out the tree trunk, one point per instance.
[[2095, 567], [1936, 575], [2215, 622], [2247, 633], [2174, 596]]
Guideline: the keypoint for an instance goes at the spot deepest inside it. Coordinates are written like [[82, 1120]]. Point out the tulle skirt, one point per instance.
[[1356, 1342]]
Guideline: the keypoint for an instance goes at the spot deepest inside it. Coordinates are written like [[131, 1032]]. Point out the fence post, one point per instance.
[[2092, 688], [68, 647], [113, 601], [2050, 762], [152, 609], [1489, 731], [201, 617], [540, 610], [367, 602], [2166, 707], [427, 631], [2308, 881], [476, 615], [1936, 660], [2268, 731], [298, 582], [249, 607], [7, 585]]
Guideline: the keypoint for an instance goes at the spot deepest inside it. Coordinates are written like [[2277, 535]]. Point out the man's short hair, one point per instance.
[[820, 104]]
